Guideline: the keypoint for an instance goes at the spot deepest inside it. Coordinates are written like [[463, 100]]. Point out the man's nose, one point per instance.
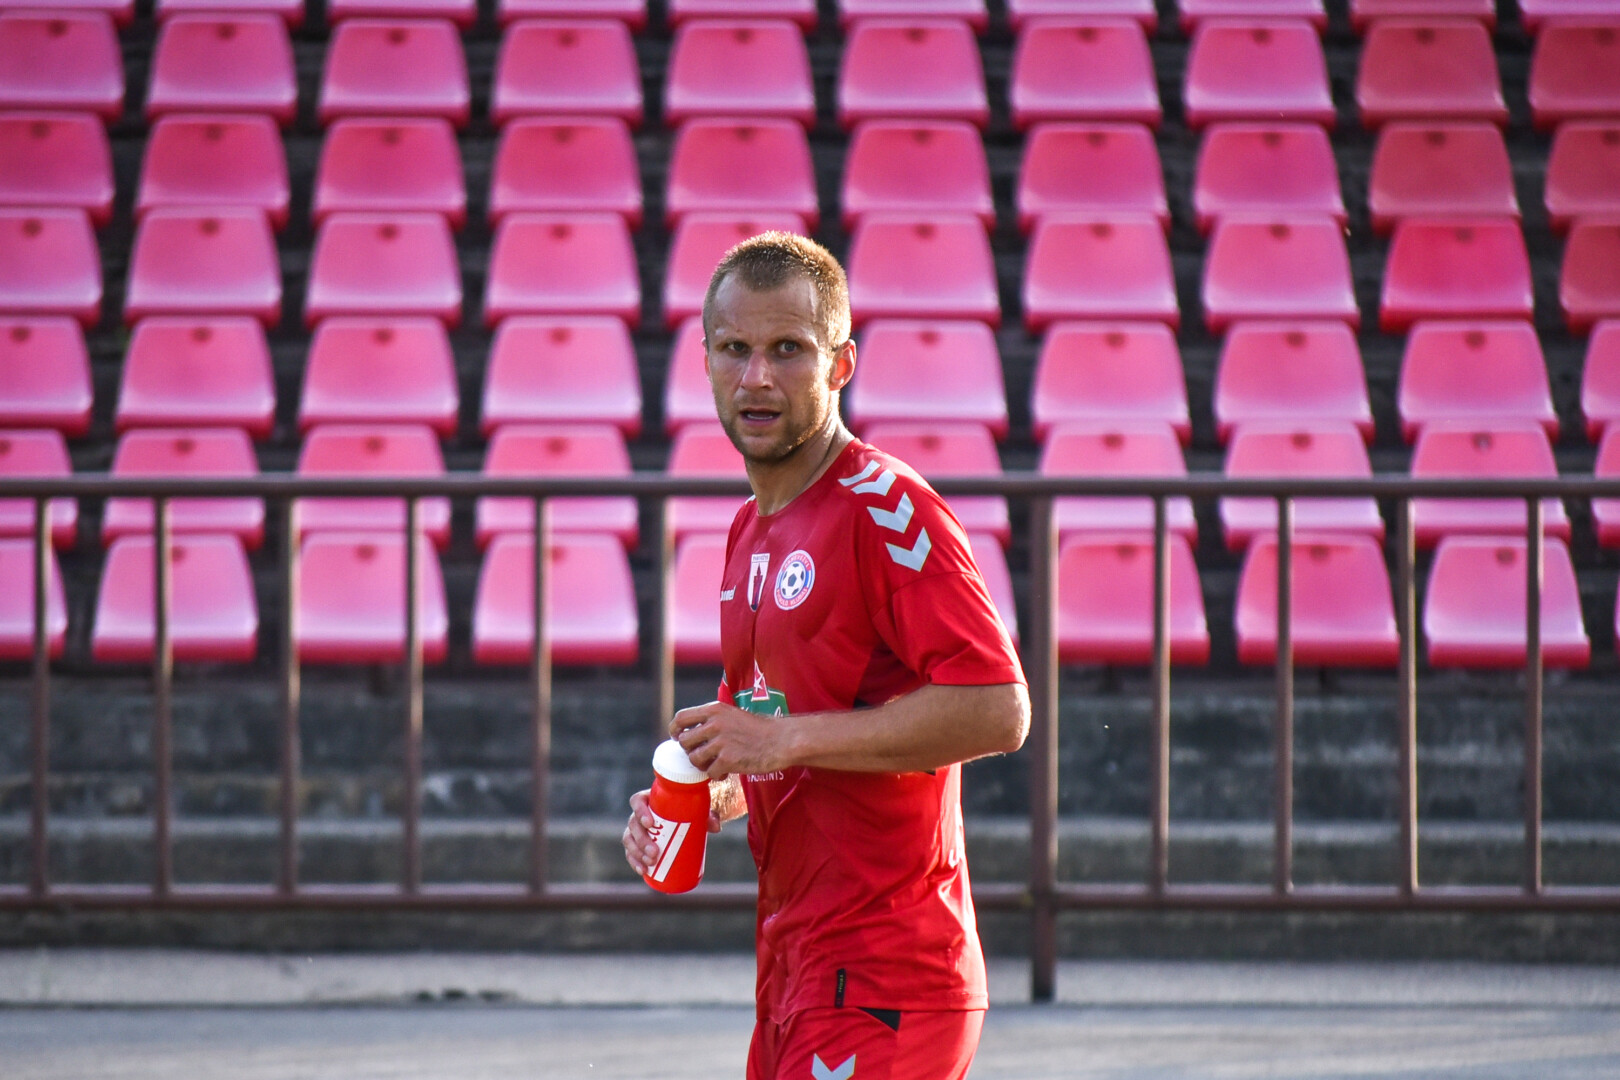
[[756, 372]]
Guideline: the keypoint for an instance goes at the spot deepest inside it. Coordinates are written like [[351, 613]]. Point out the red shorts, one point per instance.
[[829, 1044]]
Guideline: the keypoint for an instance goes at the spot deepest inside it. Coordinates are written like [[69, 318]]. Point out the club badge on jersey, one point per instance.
[[759, 568], [795, 580]]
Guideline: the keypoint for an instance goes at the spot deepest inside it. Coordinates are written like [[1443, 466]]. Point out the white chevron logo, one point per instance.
[[849, 481], [898, 519], [880, 486], [819, 1070], [916, 555]]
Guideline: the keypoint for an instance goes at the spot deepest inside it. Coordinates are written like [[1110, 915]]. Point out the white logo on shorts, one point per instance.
[[819, 1070]]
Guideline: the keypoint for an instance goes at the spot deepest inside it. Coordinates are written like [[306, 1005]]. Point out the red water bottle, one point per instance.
[[679, 803]]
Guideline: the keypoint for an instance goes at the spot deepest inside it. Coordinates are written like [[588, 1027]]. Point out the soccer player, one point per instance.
[[864, 661]]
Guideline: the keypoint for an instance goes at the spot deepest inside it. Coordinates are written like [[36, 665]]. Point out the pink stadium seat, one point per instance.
[[1575, 71], [696, 247], [1428, 69], [351, 600], [44, 374], [694, 598], [395, 67], [1089, 68], [1474, 608], [543, 450], [1535, 14], [567, 368], [972, 12], [179, 452], [1098, 169], [122, 12], [56, 159], [633, 13], [1105, 602], [213, 615], [1342, 612], [744, 68], [991, 560], [568, 165], [461, 12], [1504, 448], [741, 167], [290, 12], [1600, 379], [951, 449], [702, 450], [1606, 512], [1438, 169], [802, 12], [583, 67], [61, 60], [201, 161], [1101, 372], [17, 603], [1589, 283], [198, 372], [916, 167], [1325, 449], [386, 371], [49, 264], [1194, 12], [1125, 448], [1474, 372], [1291, 371], [937, 267], [384, 265], [237, 63], [1269, 169], [553, 264], [918, 68], [372, 450], [1458, 268], [1364, 12], [590, 602], [1022, 12], [1583, 172], [1084, 267], [219, 261], [930, 371], [1278, 268], [391, 166], [1257, 69], [688, 398], [37, 453]]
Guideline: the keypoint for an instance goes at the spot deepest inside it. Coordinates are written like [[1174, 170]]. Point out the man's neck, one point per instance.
[[778, 483]]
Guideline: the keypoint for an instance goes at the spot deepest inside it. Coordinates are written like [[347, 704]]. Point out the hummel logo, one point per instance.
[[727, 594], [880, 486], [898, 519], [850, 481], [916, 555], [819, 1070]]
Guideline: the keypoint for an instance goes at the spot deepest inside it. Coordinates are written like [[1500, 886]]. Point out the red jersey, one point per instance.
[[860, 590]]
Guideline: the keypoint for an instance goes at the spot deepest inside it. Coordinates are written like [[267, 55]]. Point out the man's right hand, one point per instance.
[[639, 849]]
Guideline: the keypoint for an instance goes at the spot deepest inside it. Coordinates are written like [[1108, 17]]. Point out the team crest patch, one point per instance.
[[759, 568], [795, 580]]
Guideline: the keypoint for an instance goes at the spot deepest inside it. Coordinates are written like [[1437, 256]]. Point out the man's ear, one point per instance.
[[706, 372], [843, 368]]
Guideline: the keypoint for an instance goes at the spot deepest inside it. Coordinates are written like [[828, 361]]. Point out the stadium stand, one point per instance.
[[1100, 169], [1455, 268], [52, 159], [694, 618], [546, 264], [1583, 172], [1322, 449], [460, 12], [198, 372], [1083, 69], [1278, 268], [290, 12], [1429, 69], [1294, 371], [937, 371], [697, 244], [1364, 12], [702, 450], [391, 166], [558, 450], [590, 602], [741, 68], [238, 63], [910, 267], [374, 370], [583, 67], [1600, 379], [351, 600], [384, 265], [1106, 371], [688, 398], [1474, 372], [395, 67], [749, 167], [1105, 602], [916, 167], [1266, 169], [44, 375], [195, 161], [186, 452], [633, 13], [801, 12], [1257, 69], [917, 68], [1086, 267], [1474, 607], [43, 452], [1502, 448], [1575, 71], [1440, 169], [213, 615], [572, 368], [569, 165], [1135, 448], [1343, 611], [1589, 282], [973, 12], [216, 261], [49, 264], [61, 59], [371, 450], [17, 602]]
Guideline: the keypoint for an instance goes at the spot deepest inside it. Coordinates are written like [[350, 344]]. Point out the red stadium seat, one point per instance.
[[694, 598], [1083, 69], [971, 12], [951, 449], [916, 167], [1269, 169], [290, 12], [1291, 371], [198, 161], [1428, 69], [1459, 268], [1474, 372], [583, 67], [1589, 283], [384, 265], [1125, 448], [1083, 267], [122, 12], [1281, 268], [461, 12], [1575, 71], [927, 370], [213, 615], [1105, 602], [17, 603], [1342, 612], [1583, 172], [633, 13], [1364, 12], [917, 68], [391, 166], [1022, 12], [1257, 69], [802, 12], [568, 165], [1325, 449], [1606, 512], [61, 59], [180, 452], [702, 450], [198, 372], [56, 159], [49, 264], [906, 267], [37, 453], [1600, 379], [1439, 169], [235, 63], [1505, 448], [351, 600], [1474, 608], [743, 68], [570, 368], [386, 371], [1101, 372], [742, 167], [395, 67], [371, 450], [688, 398], [1097, 169], [991, 560], [696, 248], [219, 261], [1535, 14], [1194, 12], [44, 374], [553, 264], [590, 602], [542, 450]]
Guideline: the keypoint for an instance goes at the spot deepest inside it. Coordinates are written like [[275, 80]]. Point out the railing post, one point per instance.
[[412, 808], [540, 763], [1407, 613], [1159, 869], [39, 877], [162, 720], [666, 628], [1042, 672], [1283, 848], [1535, 561], [291, 696]]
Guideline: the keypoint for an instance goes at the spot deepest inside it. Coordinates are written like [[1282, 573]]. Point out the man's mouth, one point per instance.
[[758, 416]]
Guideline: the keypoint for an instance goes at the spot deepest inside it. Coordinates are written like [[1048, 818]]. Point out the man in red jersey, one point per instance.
[[864, 661]]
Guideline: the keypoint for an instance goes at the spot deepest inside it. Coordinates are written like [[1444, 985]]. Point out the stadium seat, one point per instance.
[[1583, 172], [1103, 372], [972, 12], [1600, 379], [934, 267], [916, 167], [1194, 12], [1085, 267], [741, 167], [383, 265], [1589, 283], [553, 264], [991, 560], [199, 161], [917, 68], [375, 370], [542, 450], [1455, 268], [741, 68], [1575, 71], [582, 67], [1474, 607], [1428, 69], [122, 12], [218, 261], [17, 603], [198, 372], [590, 602], [230, 63], [633, 13], [1502, 449], [1439, 169], [40, 452], [694, 598], [391, 166], [950, 448], [688, 398], [569, 368], [1083, 69], [696, 247], [61, 59], [213, 615], [1259, 70], [183, 452], [1097, 169], [351, 600], [931, 371], [1105, 602], [44, 374], [702, 450], [397, 450], [1342, 612], [1022, 12], [49, 264], [802, 12], [290, 12], [1266, 169], [568, 165], [56, 159], [1124, 448], [395, 67], [1474, 372], [461, 12], [1605, 512], [1291, 371], [1278, 268], [1321, 450], [1535, 14], [1363, 13]]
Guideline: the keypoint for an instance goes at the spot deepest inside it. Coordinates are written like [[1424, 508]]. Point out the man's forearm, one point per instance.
[[929, 728]]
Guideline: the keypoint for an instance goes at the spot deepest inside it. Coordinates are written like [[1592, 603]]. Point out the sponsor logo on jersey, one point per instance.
[[760, 698], [759, 568], [795, 580], [820, 1071]]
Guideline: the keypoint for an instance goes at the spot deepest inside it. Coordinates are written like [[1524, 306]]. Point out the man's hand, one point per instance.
[[640, 850], [724, 740]]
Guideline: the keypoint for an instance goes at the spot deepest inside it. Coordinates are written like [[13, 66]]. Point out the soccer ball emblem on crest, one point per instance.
[[794, 580]]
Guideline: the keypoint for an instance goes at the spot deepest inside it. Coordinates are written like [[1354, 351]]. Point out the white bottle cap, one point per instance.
[[670, 762]]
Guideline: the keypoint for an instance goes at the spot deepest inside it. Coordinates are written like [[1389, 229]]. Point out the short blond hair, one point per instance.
[[772, 259]]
